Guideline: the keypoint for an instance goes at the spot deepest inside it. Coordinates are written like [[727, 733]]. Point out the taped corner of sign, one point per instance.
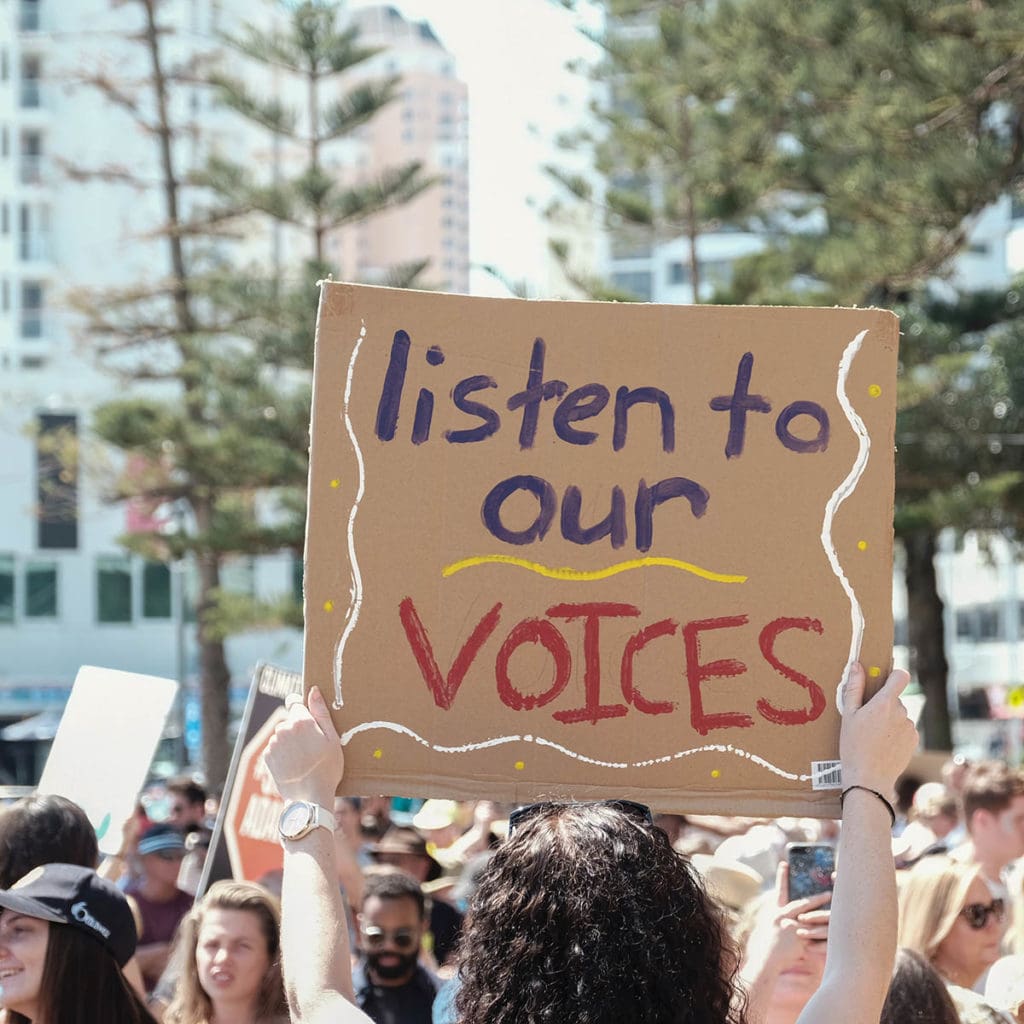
[[826, 775]]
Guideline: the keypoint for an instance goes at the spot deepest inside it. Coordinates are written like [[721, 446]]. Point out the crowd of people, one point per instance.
[[407, 912]]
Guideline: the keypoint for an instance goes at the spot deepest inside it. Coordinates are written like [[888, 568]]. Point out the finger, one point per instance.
[[814, 918], [853, 688], [813, 934], [898, 681], [807, 904], [321, 714], [291, 699]]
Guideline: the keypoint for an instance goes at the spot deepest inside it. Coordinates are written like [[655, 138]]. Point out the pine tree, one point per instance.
[[859, 141], [200, 412]]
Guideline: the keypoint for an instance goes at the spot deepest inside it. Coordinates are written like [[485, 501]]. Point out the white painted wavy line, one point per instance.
[[356, 587], [716, 748], [406, 731], [839, 495]]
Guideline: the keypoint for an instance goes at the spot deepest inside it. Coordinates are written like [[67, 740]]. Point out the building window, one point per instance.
[[31, 158], [57, 481], [156, 590], [29, 19], [113, 588], [41, 590], [6, 589], [990, 624], [638, 282], [31, 87], [32, 300]]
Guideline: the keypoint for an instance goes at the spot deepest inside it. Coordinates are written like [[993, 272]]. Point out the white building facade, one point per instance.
[[69, 593]]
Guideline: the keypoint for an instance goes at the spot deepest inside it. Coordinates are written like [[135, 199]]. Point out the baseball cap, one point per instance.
[[78, 897], [160, 838]]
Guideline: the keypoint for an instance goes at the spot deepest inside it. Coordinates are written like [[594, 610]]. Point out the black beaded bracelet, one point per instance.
[[874, 792]]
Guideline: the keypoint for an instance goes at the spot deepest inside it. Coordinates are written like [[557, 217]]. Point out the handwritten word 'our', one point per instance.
[[570, 408]]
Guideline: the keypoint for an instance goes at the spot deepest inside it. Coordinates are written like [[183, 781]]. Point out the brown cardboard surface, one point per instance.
[[480, 637]]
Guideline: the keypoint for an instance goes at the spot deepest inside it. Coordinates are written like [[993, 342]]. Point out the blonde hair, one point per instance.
[[932, 894], [191, 1004]]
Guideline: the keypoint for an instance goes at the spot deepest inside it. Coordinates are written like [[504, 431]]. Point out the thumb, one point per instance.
[[897, 682], [321, 714], [853, 688]]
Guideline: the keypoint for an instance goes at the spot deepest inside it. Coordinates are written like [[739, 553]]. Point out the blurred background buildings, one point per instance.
[[69, 593]]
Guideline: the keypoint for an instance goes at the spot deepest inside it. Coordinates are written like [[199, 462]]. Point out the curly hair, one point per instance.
[[588, 916], [191, 1004]]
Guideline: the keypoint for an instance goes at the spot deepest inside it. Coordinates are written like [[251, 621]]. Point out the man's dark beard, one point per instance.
[[392, 972]]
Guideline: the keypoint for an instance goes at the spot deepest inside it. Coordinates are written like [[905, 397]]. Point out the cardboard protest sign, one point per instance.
[[105, 742], [597, 549], [245, 842]]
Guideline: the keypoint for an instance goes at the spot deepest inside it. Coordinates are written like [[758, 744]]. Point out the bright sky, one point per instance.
[[512, 56]]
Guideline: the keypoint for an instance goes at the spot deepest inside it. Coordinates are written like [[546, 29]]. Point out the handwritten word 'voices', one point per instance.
[[444, 687]]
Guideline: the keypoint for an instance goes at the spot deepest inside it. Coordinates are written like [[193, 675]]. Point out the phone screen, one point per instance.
[[810, 869]]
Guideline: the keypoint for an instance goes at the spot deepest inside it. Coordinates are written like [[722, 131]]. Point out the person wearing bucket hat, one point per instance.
[[404, 848], [65, 934]]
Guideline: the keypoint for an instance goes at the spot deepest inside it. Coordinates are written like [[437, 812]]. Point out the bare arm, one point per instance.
[[875, 744], [306, 761]]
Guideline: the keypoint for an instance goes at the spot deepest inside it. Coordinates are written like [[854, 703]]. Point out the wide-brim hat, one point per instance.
[[77, 897], [400, 839]]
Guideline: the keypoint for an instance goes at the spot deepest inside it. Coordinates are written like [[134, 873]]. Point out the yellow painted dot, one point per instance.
[[875, 390], [520, 765], [335, 483], [874, 671], [716, 774], [378, 753], [862, 545], [328, 606]]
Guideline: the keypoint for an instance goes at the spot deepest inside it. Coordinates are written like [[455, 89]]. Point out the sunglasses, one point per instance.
[[638, 812], [977, 914], [400, 938]]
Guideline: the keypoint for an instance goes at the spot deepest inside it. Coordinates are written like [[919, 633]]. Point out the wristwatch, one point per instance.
[[300, 817]]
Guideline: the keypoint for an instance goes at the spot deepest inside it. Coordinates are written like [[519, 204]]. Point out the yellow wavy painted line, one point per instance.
[[581, 575]]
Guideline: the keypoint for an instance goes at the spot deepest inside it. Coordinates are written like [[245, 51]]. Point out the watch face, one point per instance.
[[294, 819]]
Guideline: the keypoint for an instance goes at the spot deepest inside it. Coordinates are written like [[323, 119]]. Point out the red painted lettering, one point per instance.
[[592, 613], [532, 631], [636, 643], [787, 716], [696, 673], [444, 688]]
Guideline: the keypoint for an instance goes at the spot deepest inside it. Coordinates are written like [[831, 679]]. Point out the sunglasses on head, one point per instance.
[[638, 812], [977, 914], [400, 938]]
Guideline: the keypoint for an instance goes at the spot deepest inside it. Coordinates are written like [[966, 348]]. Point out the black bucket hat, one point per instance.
[[78, 897]]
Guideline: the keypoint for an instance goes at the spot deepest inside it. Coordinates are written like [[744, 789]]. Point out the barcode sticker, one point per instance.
[[826, 775]]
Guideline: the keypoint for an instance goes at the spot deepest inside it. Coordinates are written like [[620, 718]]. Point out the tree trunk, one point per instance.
[[927, 637], [214, 675]]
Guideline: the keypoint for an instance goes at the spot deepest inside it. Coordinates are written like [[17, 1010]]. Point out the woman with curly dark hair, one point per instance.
[[591, 910], [585, 915]]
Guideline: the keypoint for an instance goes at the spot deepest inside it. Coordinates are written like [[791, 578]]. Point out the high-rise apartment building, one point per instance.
[[69, 593], [427, 123]]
